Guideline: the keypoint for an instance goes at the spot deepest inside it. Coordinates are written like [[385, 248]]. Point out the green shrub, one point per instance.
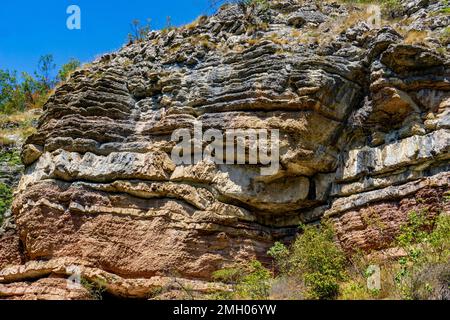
[[321, 285], [354, 290], [228, 275], [67, 69], [318, 261], [314, 259], [249, 281], [11, 96], [96, 288], [279, 252], [31, 91], [415, 230], [445, 10], [423, 272], [315, 267], [256, 283]]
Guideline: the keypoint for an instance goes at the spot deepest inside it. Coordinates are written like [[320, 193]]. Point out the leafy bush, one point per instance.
[[11, 96], [31, 92], [17, 96], [256, 283], [315, 267], [249, 281], [314, 259], [228, 275], [354, 290], [279, 252], [67, 69]]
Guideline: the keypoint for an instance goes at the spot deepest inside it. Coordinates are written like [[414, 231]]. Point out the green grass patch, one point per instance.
[[6, 197], [10, 157]]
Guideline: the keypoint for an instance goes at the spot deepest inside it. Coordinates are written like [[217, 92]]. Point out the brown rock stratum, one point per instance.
[[364, 125]]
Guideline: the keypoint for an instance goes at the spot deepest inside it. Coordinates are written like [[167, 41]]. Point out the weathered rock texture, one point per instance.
[[365, 136]]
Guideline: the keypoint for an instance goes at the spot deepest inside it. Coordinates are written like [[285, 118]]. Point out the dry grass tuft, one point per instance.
[[416, 37]]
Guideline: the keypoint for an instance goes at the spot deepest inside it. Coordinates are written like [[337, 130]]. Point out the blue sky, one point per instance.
[[30, 29]]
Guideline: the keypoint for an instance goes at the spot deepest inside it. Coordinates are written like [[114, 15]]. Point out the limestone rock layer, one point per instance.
[[364, 126]]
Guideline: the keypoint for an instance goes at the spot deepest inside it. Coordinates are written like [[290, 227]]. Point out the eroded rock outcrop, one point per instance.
[[364, 134]]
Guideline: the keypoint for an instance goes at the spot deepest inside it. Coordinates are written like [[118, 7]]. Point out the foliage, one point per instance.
[[354, 290], [31, 91], [447, 196], [256, 283], [317, 261], [67, 69], [422, 271], [11, 97], [279, 252], [10, 157], [314, 259], [415, 230], [249, 281], [96, 289], [424, 250], [15, 96], [355, 286], [46, 66], [6, 196], [34, 91], [228, 275]]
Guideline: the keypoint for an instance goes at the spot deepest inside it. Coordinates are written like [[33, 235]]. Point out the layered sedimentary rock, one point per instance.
[[364, 127]]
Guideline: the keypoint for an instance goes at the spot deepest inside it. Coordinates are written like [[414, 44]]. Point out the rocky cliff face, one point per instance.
[[363, 115]]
